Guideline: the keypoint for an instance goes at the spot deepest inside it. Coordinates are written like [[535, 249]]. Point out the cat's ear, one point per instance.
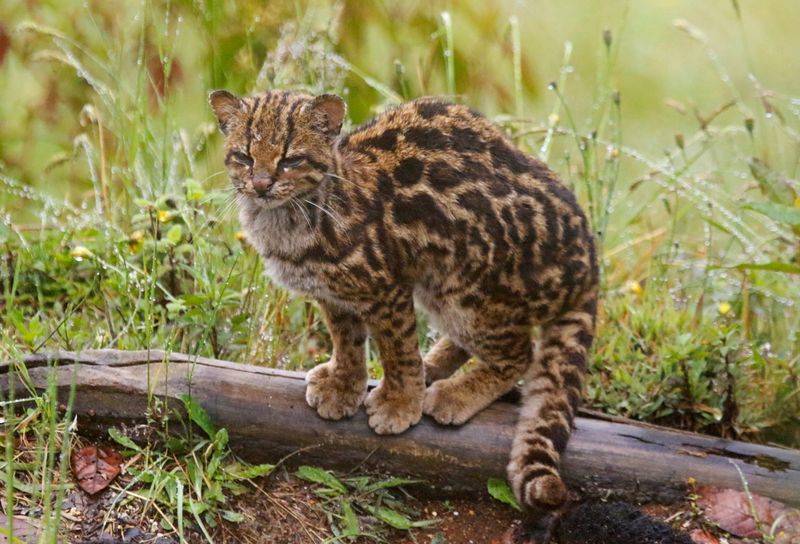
[[225, 106], [327, 112]]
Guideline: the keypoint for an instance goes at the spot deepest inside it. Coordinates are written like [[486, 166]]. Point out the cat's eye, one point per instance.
[[290, 162], [241, 158]]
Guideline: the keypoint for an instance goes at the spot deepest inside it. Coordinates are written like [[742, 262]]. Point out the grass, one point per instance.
[[676, 125]]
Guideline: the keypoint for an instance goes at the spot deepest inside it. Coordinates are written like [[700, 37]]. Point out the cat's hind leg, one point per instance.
[[443, 359], [503, 357], [551, 395]]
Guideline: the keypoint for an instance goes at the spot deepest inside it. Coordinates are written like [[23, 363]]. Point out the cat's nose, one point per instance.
[[262, 183]]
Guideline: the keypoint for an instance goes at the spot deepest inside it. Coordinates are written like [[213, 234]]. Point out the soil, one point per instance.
[[285, 510], [281, 509], [290, 513]]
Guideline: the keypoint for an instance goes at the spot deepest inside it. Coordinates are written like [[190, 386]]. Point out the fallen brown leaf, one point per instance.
[[25, 530], [5, 43], [699, 536], [95, 467], [733, 512]]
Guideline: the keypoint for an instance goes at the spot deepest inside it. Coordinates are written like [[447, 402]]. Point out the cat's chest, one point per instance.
[[281, 245], [298, 277]]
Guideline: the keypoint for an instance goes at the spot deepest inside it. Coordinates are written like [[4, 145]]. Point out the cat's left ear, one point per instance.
[[327, 112], [225, 106]]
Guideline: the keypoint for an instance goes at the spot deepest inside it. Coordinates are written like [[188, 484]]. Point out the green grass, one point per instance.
[[675, 123]]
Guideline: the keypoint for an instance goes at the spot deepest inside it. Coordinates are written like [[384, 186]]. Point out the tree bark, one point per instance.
[[265, 413]]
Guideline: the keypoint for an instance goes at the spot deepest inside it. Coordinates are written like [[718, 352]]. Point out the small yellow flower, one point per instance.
[[164, 216], [634, 287], [80, 253], [691, 481], [240, 236], [797, 202], [553, 119], [614, 152], [135, 241], [724, 308]]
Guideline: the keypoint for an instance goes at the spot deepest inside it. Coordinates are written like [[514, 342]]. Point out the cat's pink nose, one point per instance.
[[262, 183]]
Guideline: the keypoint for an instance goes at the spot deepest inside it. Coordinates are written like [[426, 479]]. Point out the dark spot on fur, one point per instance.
[[525, 214], [572, 379], [557, 434], [421, 209], [409, 171], [471, 301], [504, 155], [584, 338], [442, 175], [386, 141], [426, 137], [476, 169], [385, 185], [540, 457], [466, 139], [430, 109], [474, 201]]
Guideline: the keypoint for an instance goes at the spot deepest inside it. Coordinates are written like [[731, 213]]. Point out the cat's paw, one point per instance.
[[449, 404], [334, 398], [393, 412]]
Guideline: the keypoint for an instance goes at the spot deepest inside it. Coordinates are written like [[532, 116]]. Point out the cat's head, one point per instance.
[[278, 145]]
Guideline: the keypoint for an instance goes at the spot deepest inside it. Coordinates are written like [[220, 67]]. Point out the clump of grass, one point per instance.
[[662, 364], [117, 229], [344, 501], [189, 474], [36, 440]]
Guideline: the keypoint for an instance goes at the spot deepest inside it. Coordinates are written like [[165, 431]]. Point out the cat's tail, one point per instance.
[[550, 399]]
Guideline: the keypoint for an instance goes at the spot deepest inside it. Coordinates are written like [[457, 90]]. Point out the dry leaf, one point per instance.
[[95, 467], [732, 511], [5, 43], [699, 536], [25, 530]]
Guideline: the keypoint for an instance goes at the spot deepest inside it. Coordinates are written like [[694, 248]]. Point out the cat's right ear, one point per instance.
[[225, 106]]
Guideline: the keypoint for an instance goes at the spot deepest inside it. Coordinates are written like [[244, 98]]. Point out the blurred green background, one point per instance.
[[675, 121], [225, 44]]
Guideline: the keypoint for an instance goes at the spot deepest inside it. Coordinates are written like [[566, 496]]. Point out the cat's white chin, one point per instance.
[[268, 203]]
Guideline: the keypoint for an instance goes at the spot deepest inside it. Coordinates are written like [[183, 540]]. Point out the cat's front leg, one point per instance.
[[337, 388], [396, 404]]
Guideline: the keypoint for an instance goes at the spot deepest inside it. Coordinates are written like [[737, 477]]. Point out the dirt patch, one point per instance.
[[279, 510], [461, 521]]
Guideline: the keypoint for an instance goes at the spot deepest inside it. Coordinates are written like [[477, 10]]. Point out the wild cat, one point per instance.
[[427, 206]]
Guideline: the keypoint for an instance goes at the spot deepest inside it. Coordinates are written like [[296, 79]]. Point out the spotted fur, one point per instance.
[[427, 206]]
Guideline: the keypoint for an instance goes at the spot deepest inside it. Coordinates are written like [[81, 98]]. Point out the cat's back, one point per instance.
[[424, 125], [443, 166], [450, 150]]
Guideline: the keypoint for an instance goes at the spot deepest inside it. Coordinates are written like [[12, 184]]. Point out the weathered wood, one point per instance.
[[266, 415]]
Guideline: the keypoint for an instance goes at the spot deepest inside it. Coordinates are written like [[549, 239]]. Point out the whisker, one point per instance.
[[215, 194], [296, 203], [324, 210], [212, 176], [331, 174]]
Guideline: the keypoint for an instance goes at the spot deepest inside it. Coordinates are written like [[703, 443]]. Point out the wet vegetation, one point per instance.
[[678, 125]]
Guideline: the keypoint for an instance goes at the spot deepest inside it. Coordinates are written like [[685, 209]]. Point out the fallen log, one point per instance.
[[266, 415]]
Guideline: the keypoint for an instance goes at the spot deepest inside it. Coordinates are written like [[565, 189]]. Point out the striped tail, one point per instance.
[[550, 399]]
